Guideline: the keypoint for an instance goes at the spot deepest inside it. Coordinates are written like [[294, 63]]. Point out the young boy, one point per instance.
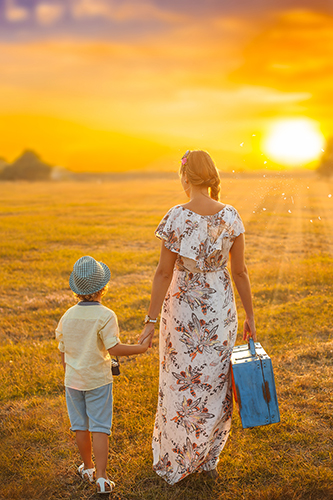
[[88, 335]]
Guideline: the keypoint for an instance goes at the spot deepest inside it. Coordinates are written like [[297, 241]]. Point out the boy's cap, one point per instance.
[[89, 276]]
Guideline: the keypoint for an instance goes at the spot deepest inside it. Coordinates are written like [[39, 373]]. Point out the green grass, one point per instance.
[[45, 228]]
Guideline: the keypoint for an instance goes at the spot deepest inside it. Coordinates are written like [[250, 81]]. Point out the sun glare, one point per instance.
[[294, 142]]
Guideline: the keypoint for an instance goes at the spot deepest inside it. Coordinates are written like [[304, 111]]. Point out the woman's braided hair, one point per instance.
[[201, 171]]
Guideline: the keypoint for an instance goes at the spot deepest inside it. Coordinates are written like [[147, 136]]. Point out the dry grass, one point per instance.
[[46, 227]]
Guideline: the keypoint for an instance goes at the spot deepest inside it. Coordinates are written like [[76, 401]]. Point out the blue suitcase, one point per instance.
[[253, 385]]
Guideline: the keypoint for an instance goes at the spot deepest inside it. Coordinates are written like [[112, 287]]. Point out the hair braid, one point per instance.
[[215, 189]]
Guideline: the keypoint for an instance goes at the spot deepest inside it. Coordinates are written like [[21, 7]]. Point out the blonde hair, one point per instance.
[[92, 297], [201, 171]]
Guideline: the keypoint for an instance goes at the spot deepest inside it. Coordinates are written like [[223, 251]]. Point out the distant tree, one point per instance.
[[27, 167], [3, 164], [325, 168]]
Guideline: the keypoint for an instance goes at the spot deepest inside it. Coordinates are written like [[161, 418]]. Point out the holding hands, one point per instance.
[[147, 340], [132, 349], [147, 334]]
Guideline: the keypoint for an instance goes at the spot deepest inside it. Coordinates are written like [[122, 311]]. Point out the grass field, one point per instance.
[[45, 228]]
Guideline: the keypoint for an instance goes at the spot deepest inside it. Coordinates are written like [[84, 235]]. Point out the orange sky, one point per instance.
[[110, 86]]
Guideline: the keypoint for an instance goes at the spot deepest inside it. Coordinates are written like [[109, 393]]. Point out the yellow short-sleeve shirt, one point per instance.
[[85, 333]]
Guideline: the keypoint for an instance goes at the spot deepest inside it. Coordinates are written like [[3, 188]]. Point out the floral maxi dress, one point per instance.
[[197, 334]]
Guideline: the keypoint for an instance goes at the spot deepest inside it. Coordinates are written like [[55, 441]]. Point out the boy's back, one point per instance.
[[85, 333]]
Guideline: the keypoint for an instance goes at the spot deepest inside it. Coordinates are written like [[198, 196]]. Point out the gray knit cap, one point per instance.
[[89, 276]]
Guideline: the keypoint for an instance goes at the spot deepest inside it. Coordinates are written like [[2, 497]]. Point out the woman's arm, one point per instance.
[[242, 282], [161, 283]]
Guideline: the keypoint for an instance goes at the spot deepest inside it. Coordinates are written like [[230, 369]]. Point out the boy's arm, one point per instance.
[[63, 360], [61, 346], [130, 349]]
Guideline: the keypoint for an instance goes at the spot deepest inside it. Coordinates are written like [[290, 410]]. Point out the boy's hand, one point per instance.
[[148, 331], [147, 341]]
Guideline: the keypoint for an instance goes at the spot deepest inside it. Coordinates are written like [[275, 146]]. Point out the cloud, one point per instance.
[[205, 112], [123, 11], [293, 51], [48, 13], [140, 16], [14, 13], [89, 8], [172, 82]]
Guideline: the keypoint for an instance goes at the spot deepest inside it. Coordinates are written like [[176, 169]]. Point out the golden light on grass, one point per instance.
[[294, 142], [46, 227]]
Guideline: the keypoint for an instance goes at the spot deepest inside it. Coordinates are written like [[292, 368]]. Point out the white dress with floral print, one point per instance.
[[197, 334]]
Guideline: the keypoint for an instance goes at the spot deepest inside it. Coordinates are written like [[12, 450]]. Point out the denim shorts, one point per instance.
[[90, 410]]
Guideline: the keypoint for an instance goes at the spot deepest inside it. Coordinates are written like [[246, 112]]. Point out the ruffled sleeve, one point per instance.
[[170, 230], [237, 225]]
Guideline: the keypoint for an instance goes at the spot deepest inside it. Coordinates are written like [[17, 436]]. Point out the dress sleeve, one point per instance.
[[237, 225], [109, 333], [169, 230]]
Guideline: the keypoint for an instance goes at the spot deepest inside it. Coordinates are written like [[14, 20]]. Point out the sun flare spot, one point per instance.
[[294, 141]]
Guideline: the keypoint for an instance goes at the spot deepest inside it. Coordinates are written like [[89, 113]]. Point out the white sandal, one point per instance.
[[87, 473], [102, 483]]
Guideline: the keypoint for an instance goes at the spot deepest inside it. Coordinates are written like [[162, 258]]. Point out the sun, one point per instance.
[[294, 142]]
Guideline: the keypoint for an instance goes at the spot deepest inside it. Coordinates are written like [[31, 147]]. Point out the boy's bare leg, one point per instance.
[[101, 453], [83, 441]]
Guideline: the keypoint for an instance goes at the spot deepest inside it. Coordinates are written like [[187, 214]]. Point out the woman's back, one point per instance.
[[203, 239]]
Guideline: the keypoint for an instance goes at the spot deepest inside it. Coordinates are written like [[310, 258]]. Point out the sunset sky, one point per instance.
[[118, 84]]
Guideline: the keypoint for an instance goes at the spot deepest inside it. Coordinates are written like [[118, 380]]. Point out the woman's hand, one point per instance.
[[147, 342], [148, 331], [249, 330]]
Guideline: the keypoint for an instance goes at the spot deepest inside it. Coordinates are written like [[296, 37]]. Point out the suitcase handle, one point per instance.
[[252, 347]]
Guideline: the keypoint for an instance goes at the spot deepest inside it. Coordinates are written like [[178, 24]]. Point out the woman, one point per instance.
[[198, 324]]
